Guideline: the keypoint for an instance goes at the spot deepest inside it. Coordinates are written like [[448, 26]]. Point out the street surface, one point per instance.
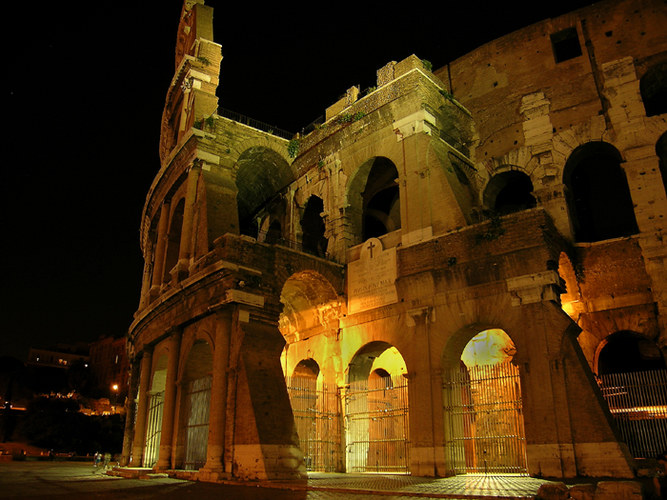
[[76, 480]]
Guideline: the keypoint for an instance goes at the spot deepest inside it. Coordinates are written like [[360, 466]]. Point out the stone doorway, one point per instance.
[[483, 409], [377, 412]]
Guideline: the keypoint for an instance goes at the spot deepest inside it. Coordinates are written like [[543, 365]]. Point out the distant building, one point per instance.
[[434, 281], [109, 365], [62, 356]]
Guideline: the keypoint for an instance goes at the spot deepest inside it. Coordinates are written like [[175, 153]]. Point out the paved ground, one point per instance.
[[72, 480]]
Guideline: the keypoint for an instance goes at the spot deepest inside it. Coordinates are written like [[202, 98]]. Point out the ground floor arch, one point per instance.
[[155, 411], [377, 411], [194, 407], [483, 408]]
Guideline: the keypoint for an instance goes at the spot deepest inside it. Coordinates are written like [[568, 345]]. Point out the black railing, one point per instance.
[[251, 122]]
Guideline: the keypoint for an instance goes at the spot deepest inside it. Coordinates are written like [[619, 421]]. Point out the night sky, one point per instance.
[[84, 89]]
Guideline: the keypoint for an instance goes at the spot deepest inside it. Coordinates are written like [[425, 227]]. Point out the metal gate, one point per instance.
[[154, 428], [317, 420], [376, 423], [197, 401], [484, 418], [638, 403]]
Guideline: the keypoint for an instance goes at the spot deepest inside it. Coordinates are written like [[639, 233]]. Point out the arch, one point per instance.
[[484, 419], [374, 199], [261, 174], [307, 368], [626, 351], [653, 89], [376, 410], [309, 302], [598, 195], [508, 192], [173, 240], [661, 151], [313, 227], [195, 405], [155, 409]]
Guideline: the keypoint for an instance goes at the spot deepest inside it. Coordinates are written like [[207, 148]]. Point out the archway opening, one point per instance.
[[313, 228], [316, 409], [484, 417], [626, 351], [262, 174], [376, 411], [653, 89], [374, 200], [195, 405], [598, 194], [661, 151], [173, 240], [633, 379], [509, 192], [155, 407]]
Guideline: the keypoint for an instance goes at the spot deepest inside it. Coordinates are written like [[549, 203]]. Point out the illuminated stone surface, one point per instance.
[[517, 189]]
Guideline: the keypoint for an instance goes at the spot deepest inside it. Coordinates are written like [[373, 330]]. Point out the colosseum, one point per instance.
[[458, 270]]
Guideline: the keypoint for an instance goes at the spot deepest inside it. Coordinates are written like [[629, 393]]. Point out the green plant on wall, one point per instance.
[[427, 65], [293, 148], [494, 230]]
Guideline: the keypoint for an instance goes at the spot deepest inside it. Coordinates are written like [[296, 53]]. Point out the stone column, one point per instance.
[[185, 248], [140, 425], [130, 403], [166, 438], [160, 248], [218, 404]]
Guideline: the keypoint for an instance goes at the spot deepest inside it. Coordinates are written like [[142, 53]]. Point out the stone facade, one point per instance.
[[521, 188]]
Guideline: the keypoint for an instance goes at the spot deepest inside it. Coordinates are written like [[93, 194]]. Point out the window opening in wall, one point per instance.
[[565, 45], [509, 192], [313, 228], [381, 207], [661, 151], [653, 89], [598, 195]]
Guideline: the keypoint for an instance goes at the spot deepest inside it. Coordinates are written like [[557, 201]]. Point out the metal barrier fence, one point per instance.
[[377, 427], [198, 398], [638, 403], [317, 419], [483, 412], [153, 429]]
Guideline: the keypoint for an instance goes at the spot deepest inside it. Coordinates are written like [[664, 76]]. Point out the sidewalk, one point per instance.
[[460, 487]]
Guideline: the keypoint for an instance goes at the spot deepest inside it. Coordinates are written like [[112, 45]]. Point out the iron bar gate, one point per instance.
[[317, 419], [153, 428], [483, 412], [638, 403], [376, 423], [197, 401]]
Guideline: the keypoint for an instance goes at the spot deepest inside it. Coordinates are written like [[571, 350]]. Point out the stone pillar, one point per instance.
[[130, 403], [218, 404], [169, 405], [140, 425], [160, 248], [185, 248]]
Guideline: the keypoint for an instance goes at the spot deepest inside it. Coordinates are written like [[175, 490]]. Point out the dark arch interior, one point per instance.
[[599, 197], [661, 151], [312, 226], [653, 89], [381, 208], [510, 192], [628, 352]]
